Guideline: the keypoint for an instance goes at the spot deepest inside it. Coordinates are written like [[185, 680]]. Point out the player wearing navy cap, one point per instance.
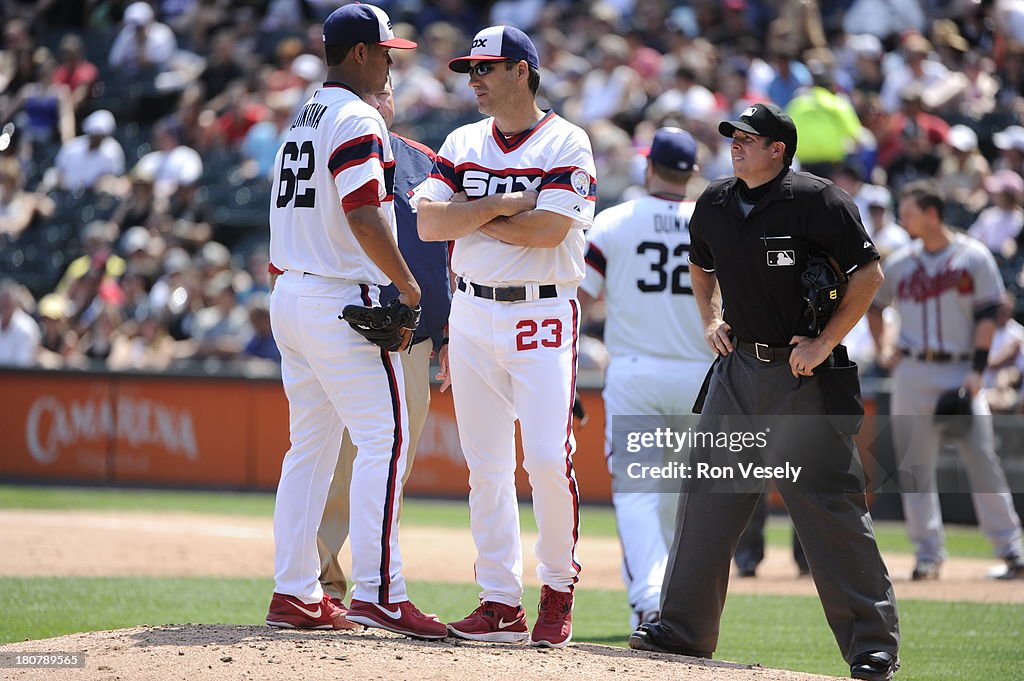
[[333, 238], [515, 192]]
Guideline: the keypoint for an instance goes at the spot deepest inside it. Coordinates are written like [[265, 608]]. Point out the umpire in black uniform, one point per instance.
[[752, 237]]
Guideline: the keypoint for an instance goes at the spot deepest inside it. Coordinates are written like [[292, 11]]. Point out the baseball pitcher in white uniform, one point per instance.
[[637, 257], [333, 237], [947, 290], [515, 191]]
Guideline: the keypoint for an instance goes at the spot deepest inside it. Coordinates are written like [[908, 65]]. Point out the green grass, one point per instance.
[[947, 641], [597, 521]]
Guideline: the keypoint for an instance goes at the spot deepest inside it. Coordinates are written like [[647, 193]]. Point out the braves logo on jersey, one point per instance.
[[920, 285]]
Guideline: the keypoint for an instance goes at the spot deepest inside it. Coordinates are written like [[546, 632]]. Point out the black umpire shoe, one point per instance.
[[874, 666], [651, 638], [748, 569]]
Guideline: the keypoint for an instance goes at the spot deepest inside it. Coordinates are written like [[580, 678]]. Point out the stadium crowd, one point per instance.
[[138, 138]]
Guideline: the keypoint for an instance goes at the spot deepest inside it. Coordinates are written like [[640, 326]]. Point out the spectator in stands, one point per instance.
[[829, 128], [686, 97], [19, 333], [863, 63], [42, 108], [914, 140], [17, 67], [265, 138], [98, 267], [968, 92], [187, 220], [143, 43], [262, 344], [142, 252], [918, 68], [256, 265], [1010, 143], [76, 73], [1001, 381], [136, 305], [221, 329], [172, 164], [84, 161], [143, 345], [18, 208], [58, 342], [879, 222], [101, 333], [177, 268], [311, 73], [612, 87], [962, 174], [790, 75], [883, 18], [999, 225], [221, 68], [139, 206]]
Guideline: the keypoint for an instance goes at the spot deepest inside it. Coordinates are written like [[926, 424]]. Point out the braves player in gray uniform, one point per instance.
[[947, 289]]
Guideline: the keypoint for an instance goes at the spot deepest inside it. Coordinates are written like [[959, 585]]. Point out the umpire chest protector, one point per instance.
[[760, 259]]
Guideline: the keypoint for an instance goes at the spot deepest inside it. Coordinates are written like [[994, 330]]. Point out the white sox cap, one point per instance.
[[359, 23], [498, 43]]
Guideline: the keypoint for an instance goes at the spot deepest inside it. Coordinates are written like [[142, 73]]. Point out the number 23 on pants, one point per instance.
[[547, 333]]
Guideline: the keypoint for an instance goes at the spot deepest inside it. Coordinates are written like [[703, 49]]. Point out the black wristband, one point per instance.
[[980, 360], [444, 341]]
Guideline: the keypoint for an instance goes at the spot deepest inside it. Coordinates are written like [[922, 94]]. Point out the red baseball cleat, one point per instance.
[[494, 622], [553, 628], [288, 612], [402, 618]]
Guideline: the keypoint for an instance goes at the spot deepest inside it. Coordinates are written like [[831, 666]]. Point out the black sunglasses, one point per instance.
[[486, 67]]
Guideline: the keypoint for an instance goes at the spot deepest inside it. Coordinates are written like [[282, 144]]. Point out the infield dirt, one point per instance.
[[75, 543]]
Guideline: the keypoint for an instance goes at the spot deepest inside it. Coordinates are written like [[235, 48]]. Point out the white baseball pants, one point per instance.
[[509, 361], [647, 386], [335, 379]]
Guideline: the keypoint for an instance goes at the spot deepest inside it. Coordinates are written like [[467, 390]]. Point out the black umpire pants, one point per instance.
[[827, 506]]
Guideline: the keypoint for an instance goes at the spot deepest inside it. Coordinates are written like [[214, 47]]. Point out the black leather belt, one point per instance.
[[936, 356], [765, 353], [506, 294]]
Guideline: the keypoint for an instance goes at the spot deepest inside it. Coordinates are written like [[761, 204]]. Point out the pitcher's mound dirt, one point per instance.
[[199, 652]]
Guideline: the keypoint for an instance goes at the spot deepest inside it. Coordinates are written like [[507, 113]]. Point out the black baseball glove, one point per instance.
[[391, 327], [826, 285]]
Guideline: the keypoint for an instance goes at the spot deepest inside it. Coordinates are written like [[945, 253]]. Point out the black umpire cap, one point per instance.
[[765, 120]]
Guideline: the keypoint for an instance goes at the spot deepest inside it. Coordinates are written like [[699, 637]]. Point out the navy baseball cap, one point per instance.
[[673, 148], [498, 43], [359, 23], [765, 120]]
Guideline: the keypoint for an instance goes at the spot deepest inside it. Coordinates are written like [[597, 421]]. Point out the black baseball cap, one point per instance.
[[673, 148], [359, 23], [498, 43], [764, 120]]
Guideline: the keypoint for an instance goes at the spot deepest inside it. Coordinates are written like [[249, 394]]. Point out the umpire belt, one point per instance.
[[935, 356], [765, 353], [508, 294]]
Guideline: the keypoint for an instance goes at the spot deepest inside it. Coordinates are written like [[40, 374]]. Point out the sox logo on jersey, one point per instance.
[[496, 346]]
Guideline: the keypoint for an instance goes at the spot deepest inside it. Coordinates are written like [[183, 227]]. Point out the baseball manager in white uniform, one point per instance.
[[530, 182]]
